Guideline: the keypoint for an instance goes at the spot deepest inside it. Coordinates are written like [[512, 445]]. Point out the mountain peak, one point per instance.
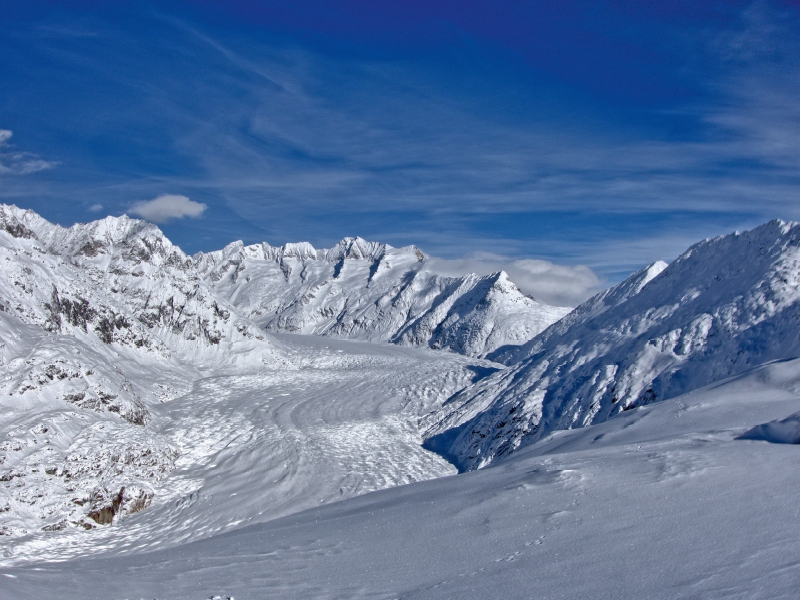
[[357, 248]]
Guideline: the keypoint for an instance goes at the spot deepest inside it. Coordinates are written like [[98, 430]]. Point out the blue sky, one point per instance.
[[605, 134]]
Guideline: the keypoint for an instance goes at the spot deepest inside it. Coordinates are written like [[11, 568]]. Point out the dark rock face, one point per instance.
[[106, 506]]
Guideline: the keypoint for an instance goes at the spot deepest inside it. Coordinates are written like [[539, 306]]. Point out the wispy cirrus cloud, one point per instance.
[[400, 144], [15, 162]]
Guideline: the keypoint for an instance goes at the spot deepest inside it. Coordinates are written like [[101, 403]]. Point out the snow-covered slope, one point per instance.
[[98, 323], [666, 501], [724, 306], [371, 291]]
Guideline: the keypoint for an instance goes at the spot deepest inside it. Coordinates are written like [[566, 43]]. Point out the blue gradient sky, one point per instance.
[[607, 134]]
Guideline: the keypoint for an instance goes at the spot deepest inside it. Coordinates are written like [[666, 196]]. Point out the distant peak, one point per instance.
[[654, 269], [356, 248], [417, 252]]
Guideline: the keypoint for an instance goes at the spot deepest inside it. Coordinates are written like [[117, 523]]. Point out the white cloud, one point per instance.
[[96, 207], [166, 207], [560, 285], [19, 163]]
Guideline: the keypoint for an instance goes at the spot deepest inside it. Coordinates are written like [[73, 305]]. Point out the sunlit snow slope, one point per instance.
[[371, 291], [727, 304]]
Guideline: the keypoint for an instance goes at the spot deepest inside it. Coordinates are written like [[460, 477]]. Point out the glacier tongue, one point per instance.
[[726, 305], [371, 291]]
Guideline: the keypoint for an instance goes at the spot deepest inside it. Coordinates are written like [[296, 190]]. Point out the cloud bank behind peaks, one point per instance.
[[559, 285], [18, 163], [167, 207]]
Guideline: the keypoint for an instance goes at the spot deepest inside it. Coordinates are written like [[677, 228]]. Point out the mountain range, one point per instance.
[[371, 291], [149, 399]]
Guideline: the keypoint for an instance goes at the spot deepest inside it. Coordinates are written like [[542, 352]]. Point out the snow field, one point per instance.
[[661, 502]]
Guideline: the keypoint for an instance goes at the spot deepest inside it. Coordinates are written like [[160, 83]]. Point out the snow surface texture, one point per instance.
[[783, 431], [371, 291], [724, 306], [662, 501]]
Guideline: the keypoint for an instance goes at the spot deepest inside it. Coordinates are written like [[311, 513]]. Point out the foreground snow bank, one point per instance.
[[785, 431]]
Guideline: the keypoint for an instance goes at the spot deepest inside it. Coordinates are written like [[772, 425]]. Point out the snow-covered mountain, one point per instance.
[[371, 291], [98, 322], [118, 279], [724, 306], [143, 407]]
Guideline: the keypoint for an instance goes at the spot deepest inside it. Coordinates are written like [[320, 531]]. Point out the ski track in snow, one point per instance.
[[261, 445]]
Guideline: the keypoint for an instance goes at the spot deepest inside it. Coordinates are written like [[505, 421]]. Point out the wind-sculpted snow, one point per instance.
[[724, 306], [365, 290]]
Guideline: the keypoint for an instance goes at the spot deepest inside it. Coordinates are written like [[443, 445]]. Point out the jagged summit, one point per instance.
[[349, 248], [133, 284], [369, 290], [596, 305]]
